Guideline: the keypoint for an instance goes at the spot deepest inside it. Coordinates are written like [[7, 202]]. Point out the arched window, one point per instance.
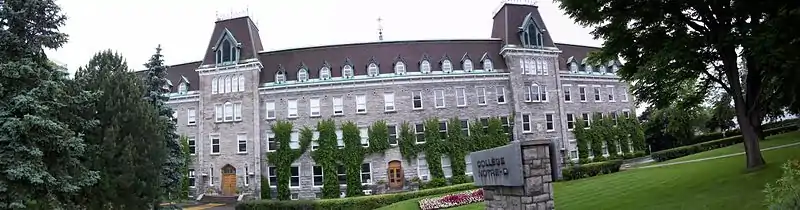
[[399, 68], [325, 73], [347, 71], [302, 75], [487, 65], [602, 69], [573, 67], [214, 86], [182, 88], [467, 65], [228, 84], [234, 83], [587, 68], [279, 77], [614, 68], [372, 69], [595, 70], [241, 82], [226, 51], [425, 67], [531, 34], [447, 67]]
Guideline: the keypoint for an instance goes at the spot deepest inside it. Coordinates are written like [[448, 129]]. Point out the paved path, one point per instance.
[[216, 206], [717, 157]]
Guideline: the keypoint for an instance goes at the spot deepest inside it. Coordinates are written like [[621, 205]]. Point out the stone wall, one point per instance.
[[537, 192]]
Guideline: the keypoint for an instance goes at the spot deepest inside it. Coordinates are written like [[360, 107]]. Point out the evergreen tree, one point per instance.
[[157, 90], [126, 147], [41, 143]]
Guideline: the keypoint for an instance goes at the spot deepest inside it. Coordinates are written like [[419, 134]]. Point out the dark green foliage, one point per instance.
[[722, 114], [378, 137], [477, 136], [582, 138], [283, 157], [590, 170], [326, 156], [459, 179], [408, 146], [434, 146], [352, 156], [365, 202], [187, 159], [41, 120], [455, 147], [128, 147], [590, 140], [678, 152], [496, 134], [266, 191], [434, 183]]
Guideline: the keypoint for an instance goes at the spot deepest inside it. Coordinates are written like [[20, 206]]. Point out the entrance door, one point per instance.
[[228, 180], [395, 175]]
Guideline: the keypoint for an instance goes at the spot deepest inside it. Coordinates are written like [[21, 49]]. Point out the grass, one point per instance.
[[409, 204], [771, 141], [713, 184]]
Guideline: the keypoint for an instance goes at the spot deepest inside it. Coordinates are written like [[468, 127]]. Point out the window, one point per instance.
[[302, 75], [526, 123], [237, 111], [485, 124], [527, 65], [191, 178], [211, 175], [192, 145], [294, 196], [341, 175], [400, 68], [347, 71], [425, 67], [626, 114], [573, 67], [487, 65], [533, 94], [241, 82], [272, 143], [597, 94], [339, 139], [294, 140], [228, 111], [549, 120], [214, 85], [388, 102], [419, 131], [567, 93], [191, 115], [465, 128], [605, 149], [280, 77], [295, 180], [468, 160], [325, 73], [314, 140], [602, 69], [438, 98], [218, 112], [314, 107], [226, 51], [422, 169], [587, 68], [174, 117], [416, 97], [392, 134], [361, 104], [372, 69], [447, 67], [443, 130], [242, 139], [467, 66], [214, 144], [570, 121], [624, 95], [586, 120], [582, 91], [500, 93], [448, 171], [364, 134], [543, 93], [366, 173], [246, 173], [234, 83], [272, 175], [228, 84], [182, 88], [271, 110], [318, 177], [481, 94], [338, 105], [614, 118], [461, 97], [292, 107], [611, 93]]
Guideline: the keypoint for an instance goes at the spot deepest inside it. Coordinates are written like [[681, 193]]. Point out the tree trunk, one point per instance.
[[751, 139]]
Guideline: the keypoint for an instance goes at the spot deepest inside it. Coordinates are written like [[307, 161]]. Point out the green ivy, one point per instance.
[[434, 145], [582, 138], [185, 168], [408, 143], [326, 156], [602, 130], [352, 157], [455, 147], [378, 137], [283, 157], [266, 192]]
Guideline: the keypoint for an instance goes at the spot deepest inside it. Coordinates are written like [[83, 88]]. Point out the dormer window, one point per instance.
[[399, 68], [425, 67], [372, 69], [280, 77], [530, 33], [183, 88], [467, 65], [447, 67], [587, 68], [595, 70], [488, 65], [573, 67], [602, 69], [302, 75], [347, 71], [325, 73], [227, 49], [614, 68]]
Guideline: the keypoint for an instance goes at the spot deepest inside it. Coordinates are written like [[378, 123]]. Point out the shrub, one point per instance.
[[736, 132], [677, 152], [591, 169], [785, 193], [458, 179], [362, 202], [636, 154], [435, 183]]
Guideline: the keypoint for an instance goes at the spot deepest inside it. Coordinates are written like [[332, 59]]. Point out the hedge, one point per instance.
[[678, 152], [719, 135], [590, 170], [363, 202]]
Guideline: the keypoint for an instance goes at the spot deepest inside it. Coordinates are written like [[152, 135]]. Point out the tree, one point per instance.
[[41, 131], [722, 114], [669, 43], [126, 147], [157, 90]]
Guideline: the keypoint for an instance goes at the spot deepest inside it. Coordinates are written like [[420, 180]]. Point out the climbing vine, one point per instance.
[[283, 157], [187, 159], [456, 151], [603, 130], [408, 145], [326, 155], [433, 147], [582, 138], [352, 157], [378, 137]]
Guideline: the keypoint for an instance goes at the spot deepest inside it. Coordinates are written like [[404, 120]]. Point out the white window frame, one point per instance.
[[626, 113], [211, 175], [241, 82], [228, 85], [314, 175], [624, 95], [414, 95], [271, 136], [570, 119], [234, 83], [400, 68], [427, 176], [425, 67], [446, 167], [583, 95], [191, 116], [417, 133], [291, 108], [551, 122], [468, 162], [587, 120], [461, 97], [325, 73], [192, 142], [481, 95], [192, 178], [246, 175], [270, 110], [488, 65], [294, 140], [214, 86], [227, 109], [534, 92], [598, 95], [347, 71], [182, 88], [567, 93], [361, 175], [364, 134], [438, 97], [314, 140], [388, 102], [373, 70], [218, 113], [447, 66], [529, 123], [271, 175], [302, 75], [361, 104], [293, 176], [280, 77], [339, 138], [610, 94], [237, 111], [241, 139], [543, 96], [314, 107], [396, 134], [338, 105], [498, 92], [211, 138], [467, 66]]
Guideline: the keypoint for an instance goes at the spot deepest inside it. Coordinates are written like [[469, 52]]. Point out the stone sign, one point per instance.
[[500, 166]]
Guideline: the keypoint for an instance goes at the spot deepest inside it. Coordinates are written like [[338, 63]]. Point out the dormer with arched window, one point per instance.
[[372, 67], [302, 73], [572, 64], [487, 62], [399, 65], [325, 71], [183, 87], [466, 63], [227, 49], [347, 69], [587, 67], [280, 75], [530, 33], [425, 64], [445, 65]]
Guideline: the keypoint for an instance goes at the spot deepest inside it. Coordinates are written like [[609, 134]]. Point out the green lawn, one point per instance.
[[712, 184], [771, 141]]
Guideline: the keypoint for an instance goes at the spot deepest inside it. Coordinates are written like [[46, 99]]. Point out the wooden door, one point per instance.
[[228, 180], [395, 175]]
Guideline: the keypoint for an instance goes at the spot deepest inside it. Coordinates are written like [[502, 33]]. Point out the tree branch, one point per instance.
[[716, 79]]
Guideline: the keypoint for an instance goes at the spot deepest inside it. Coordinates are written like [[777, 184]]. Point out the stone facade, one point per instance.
[[537, 192]]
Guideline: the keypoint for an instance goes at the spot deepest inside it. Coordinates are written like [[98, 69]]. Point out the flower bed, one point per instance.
[[452, 200]]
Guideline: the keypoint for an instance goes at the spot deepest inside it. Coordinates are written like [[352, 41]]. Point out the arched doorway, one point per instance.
[[228, 180], [395, 174]]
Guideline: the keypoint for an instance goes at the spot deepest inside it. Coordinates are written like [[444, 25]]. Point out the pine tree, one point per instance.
[[41, 143], [157, 90], [126, 147]]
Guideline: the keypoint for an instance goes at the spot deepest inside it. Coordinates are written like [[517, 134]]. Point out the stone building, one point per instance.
[[226, 102]]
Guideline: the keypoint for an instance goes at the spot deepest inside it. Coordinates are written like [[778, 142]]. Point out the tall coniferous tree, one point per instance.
[[157, 90], [41, 143]]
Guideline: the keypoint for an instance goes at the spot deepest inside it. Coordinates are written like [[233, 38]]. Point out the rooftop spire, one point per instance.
[[380, 29]]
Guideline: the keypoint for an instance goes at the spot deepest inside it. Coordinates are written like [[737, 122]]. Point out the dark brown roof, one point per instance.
[[176, 73], [243, 30], [384, 53], [577, 52], [510, 17]]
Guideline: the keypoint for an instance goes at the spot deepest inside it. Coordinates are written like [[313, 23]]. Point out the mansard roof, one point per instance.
[[243, 30], [512, 16]]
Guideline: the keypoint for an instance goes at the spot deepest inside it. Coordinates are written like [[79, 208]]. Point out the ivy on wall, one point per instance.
[[603, 130], [187, 159], [433, 147], [378, 137], [283, 157], [408, 144], [326, 155], [456, 151], [352, 157]]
